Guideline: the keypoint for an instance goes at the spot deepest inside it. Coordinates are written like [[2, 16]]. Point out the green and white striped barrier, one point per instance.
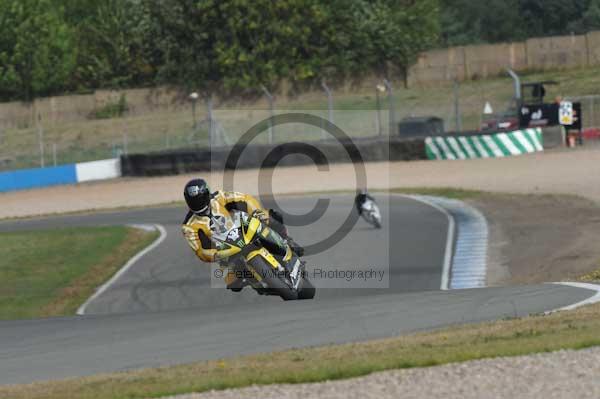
[[496, 145]]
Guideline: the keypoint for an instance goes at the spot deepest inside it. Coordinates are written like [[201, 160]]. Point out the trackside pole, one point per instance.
[[272, 111], [392, 114], [329, 105], [40, 130]]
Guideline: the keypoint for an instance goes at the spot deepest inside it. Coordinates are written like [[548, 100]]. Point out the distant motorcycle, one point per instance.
[[370, 212], [368, 209]]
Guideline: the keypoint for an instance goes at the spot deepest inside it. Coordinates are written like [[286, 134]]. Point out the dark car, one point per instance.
[[415, 127]]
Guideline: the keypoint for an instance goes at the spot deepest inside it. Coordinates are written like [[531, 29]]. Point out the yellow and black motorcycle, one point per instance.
[[261, 258]]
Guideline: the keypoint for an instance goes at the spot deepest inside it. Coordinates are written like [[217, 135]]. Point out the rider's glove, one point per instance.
[[261, 215]]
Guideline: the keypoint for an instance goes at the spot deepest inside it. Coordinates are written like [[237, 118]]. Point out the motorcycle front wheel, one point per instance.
[[273, 280], [372, 220], [308, 290], [376, 223]]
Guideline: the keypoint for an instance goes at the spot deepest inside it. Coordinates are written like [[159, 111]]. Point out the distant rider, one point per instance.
[[206, 208], [361, 197]]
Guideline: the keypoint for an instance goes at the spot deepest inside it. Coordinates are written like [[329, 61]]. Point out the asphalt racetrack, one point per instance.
[[162, 310]]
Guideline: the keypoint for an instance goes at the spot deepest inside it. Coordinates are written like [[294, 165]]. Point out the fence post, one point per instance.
[[167, 140], [116, 152], [54, 153], [271, 108], [392, 114], [125, 143], [194, 98], [40, 130], [209, 111], [378, 89], [457, 115], [329, 105], [516, 83], [593, 113]]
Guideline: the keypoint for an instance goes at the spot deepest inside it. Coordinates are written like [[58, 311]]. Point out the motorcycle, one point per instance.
[[261, 258], [370, 212]]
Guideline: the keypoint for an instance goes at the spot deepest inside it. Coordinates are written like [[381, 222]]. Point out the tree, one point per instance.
[[492, 21], [110, 37], [396, 31], [241, 44], [552, 17], [591, 17], [237, 45], [467, 22], [37, 54], [182, 32], [52, 46]]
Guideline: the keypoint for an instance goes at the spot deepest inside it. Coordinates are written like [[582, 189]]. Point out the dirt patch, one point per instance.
[[559, 172], [534, 238], [540, 238]]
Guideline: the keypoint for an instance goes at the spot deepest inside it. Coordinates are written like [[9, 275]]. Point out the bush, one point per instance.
[[113, 109]]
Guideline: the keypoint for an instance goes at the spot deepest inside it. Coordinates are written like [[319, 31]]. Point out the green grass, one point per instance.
[[593, 276], [511, 337], [454, 193], [51, 272]]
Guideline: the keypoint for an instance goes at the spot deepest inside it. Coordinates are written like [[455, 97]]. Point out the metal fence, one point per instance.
[[371, 110]]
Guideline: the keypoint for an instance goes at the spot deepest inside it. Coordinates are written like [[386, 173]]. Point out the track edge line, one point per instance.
[[449, 252], [589, 301], [100, 290]]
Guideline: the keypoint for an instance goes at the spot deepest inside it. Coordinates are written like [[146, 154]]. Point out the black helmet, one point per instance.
[[197, 196]]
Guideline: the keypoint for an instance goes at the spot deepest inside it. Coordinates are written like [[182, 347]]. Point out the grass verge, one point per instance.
[[563, 330], [448, 192], [96, 211], [590, 277], [51, 272]]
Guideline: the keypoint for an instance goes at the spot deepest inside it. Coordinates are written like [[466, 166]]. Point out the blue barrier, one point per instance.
[[40, 177]]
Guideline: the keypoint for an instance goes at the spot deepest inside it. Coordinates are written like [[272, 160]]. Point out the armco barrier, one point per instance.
[[31, 178], [98, 170], [253, 156], [485, 146], [57, 175]]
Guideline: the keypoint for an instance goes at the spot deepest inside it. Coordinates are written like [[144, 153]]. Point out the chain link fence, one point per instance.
[[76, 132], [197, 124]]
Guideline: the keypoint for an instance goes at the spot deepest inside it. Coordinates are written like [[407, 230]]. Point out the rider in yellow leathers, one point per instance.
[[207, 209]]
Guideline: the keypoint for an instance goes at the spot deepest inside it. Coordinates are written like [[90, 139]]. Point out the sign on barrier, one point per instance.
[[566, 113]]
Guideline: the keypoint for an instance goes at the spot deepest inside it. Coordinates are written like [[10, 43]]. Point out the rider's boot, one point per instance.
[[277, 225], [237, 285], [234, 281]]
